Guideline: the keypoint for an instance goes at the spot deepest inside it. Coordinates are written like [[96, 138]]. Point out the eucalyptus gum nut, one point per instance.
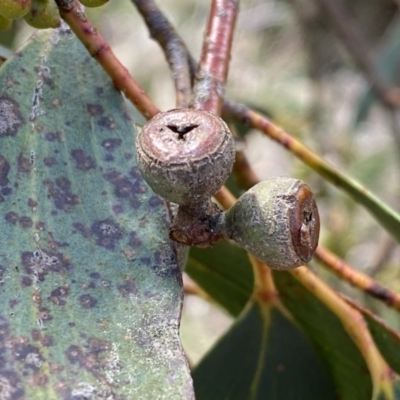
[[5, 23], [185, 155], [14, 9], [43, 15], [93, 3], [276, 221]]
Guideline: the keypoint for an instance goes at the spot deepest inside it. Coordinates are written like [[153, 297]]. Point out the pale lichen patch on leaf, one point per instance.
[[10, 116]]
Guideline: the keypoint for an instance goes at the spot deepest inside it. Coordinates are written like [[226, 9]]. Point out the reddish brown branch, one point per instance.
[[180, 62], [215, 57], [225, 198], [357, 278], [358, 49], [98, 48]]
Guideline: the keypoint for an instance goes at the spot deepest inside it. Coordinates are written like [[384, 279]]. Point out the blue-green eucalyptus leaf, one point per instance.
[[263, 356], [224, 272], [90, 287]]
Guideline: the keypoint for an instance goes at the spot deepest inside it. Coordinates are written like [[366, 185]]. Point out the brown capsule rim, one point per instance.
[[160, 142], [305, 223]]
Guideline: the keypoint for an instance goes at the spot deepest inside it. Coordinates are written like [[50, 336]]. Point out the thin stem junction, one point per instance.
[[213, 68]]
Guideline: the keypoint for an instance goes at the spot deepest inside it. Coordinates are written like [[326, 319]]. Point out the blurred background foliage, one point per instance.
[[290, 61]]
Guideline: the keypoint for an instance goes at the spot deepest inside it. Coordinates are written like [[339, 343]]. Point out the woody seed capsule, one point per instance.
[[185, 155], [277, 221]]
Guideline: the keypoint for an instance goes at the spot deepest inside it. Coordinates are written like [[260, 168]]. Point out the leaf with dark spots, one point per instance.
[[38, 336], [163, 266], [92, 299], [112, 175], [134, 202], [95, 275], [59, 296], [145, 260], [54, 136], [24, 164], [4, 330], [6, 191], [111, 143], [63, 199], [12, 303], [44, 314], [26, 281], [45, 340], [2, 271], [40, 263], [63, 183], [26, 222], [154, 201], [74, 354], [40, 225], [83, 161], [107, 232], [49, 161], [128, 156], [99, 90], [48, 81], [128, 287], [4, 170], [85, 232], [12, 217], [134, 241], [87, 301], [123, 187], [118, 208], [11, 385], [135, 173], [23, 350], [139, 187], [106, 123], [32, 203], [95, 109]]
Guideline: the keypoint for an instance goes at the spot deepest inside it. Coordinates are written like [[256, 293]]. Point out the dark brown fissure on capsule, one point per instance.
[[308, 216], [182, 129], [305, 223]]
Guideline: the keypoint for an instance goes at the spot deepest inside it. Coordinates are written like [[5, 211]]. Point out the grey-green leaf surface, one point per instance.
[[264, 356], [387, 340], [90, 287]]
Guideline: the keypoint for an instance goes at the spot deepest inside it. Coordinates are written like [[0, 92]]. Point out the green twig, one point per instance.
[[357, 278], [385, 215]]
